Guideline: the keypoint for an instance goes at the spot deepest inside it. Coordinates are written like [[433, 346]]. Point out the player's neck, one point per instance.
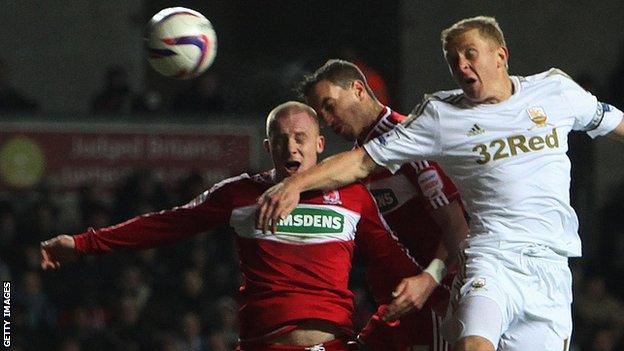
[[504, 92], [372, 116]]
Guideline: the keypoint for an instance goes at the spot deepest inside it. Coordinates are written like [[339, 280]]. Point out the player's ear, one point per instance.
[[267, 145], [360, 88], [320, 144], [503, 56]]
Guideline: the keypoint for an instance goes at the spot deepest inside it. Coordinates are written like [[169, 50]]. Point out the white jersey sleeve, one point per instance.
[[415, 139], [590, 115]]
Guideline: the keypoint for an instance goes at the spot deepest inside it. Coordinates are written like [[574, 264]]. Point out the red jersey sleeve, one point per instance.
[[208, 211], [432, 182], [388, 261]]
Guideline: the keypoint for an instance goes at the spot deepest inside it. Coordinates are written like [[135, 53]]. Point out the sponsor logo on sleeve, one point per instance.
[[385, 199]]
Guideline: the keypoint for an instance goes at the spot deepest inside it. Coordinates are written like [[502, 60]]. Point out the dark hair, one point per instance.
[[339, 72]]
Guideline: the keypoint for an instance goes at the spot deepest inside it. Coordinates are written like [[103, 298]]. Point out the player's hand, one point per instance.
[[58, 251], [275, 204], [411, 293], [377, 332]]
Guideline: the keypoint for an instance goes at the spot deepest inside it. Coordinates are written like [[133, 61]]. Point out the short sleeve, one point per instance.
[[415, 139], [590, 115]]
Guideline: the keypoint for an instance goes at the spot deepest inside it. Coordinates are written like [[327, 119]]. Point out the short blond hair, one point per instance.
[[488, 28], [286, 109]]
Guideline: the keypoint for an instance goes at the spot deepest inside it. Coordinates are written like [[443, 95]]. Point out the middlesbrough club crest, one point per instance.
[[331, 197]]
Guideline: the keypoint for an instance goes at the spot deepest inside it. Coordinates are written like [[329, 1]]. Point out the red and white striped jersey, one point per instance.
[[300, 272], [407, 197]]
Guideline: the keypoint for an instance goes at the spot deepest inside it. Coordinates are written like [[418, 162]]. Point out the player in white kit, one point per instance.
[[503, 140]]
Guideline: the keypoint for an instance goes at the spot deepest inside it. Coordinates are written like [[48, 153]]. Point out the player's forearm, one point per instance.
[[618, 133], [336, 171], [451, 220], [143, 232]]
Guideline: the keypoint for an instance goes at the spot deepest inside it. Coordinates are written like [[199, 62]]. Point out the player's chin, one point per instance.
[[290, 171]]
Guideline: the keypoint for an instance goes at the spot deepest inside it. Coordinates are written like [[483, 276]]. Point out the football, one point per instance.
[[181, 43]]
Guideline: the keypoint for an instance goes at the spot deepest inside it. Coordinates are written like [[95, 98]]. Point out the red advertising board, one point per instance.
[[70, 155]]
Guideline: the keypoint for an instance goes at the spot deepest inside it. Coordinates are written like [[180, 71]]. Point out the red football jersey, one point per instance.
[[406, 198], [300, 272]]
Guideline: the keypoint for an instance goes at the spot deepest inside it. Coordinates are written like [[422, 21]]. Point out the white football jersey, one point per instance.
[[508, 159]]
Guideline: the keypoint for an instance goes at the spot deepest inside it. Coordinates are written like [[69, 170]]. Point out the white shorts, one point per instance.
[[517, 300]]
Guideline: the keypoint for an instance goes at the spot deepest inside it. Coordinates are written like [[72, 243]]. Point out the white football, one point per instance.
[[181, 43]]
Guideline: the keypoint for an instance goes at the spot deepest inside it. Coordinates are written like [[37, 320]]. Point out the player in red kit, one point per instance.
[[420, 203], [294, 293]]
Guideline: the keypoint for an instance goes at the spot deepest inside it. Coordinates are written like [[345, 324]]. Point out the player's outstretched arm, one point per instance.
[[618, 132], [58, 251], [333, 172]]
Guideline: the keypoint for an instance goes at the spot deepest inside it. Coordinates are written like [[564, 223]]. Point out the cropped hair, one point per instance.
[[488, 28], [286, 109]]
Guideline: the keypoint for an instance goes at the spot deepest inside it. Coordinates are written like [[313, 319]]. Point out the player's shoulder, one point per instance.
[[433, 102], [356, 191], [233, 181], [243, 183], [549, 77]]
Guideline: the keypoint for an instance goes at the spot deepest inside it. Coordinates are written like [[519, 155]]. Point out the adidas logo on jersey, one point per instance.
[[475, 130]]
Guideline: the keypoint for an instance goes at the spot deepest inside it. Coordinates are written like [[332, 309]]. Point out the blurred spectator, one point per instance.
[[93, 212], [204, 95], [150, 101], [41, 221], [190, 187], [168, 342], [70, 344], [127, 331], [140, 193], [191, 331], [132, 284], [116, 95], [605, 339], [597, 307], [192, 295], [11, 100], [224, 335], [37, 309], [8, 230]]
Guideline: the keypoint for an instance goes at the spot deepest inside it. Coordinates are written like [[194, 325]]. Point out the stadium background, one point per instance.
[[68, 162]]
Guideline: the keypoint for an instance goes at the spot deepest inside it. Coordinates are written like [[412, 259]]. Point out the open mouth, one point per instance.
[[292, 166]]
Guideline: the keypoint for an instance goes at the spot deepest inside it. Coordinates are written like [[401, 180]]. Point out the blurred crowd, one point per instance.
[[183, 296]]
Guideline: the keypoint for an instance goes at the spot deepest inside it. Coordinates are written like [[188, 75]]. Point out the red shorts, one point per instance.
[[334, 345]]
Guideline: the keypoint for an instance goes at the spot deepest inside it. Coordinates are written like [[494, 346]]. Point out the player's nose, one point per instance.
[[463, 65], [292, 146]]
